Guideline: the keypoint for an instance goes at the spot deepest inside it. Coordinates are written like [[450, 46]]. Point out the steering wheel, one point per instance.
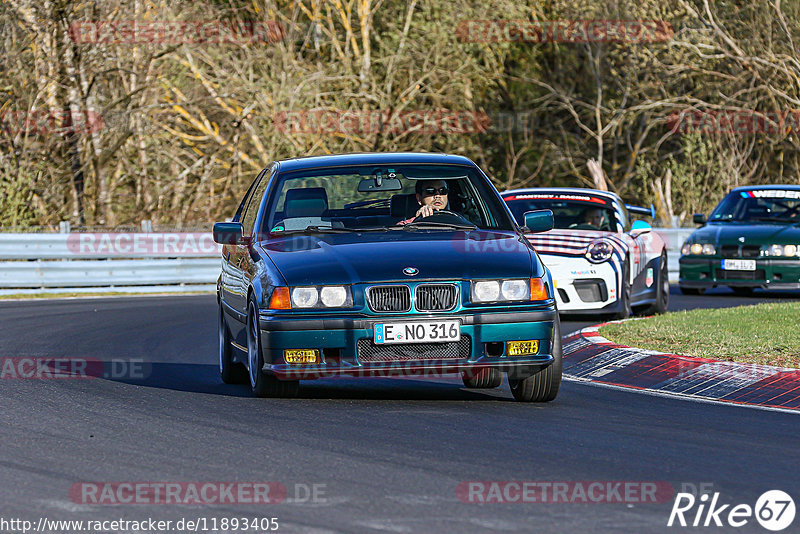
[[444, 216]]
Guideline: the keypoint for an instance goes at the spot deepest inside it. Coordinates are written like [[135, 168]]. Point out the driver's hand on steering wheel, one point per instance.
[[425, 211]]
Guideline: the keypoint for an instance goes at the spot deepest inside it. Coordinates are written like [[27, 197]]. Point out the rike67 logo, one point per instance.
[[774, 510]]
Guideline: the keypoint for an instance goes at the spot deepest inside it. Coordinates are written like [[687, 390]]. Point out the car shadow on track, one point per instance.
[[198, 378]]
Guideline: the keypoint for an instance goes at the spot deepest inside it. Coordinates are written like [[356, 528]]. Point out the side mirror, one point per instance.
[[649, 212], [229, 233], [639, 228], [700, 218], [539, 220]]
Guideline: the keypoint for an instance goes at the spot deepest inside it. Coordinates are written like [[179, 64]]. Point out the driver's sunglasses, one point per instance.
[[430, 191]]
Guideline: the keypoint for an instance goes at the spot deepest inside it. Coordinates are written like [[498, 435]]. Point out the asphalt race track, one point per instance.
[[384, 455]]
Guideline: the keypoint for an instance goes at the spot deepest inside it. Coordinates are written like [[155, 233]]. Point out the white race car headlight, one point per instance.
[[599, 251], [321, 297], [502, 290]]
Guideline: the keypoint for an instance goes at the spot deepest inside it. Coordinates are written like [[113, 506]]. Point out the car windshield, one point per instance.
[[759, 205], [570, 211], [380, 198]]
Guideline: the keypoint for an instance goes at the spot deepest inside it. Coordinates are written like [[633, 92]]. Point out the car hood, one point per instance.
[[382, 256], [757, 234]]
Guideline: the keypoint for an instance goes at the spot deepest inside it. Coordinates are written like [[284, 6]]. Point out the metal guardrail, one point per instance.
[[108, 262], [141, 262]]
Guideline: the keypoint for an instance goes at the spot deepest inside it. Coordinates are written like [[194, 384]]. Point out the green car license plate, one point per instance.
[[739, 265]]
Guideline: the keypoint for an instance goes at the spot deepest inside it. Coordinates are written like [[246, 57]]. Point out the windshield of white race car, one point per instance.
[[578, 213]]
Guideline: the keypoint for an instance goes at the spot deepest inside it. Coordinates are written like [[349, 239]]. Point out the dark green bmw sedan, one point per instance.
[[751, 240]]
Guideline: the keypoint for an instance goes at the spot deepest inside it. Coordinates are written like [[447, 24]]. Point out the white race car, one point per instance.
[[600, 261]]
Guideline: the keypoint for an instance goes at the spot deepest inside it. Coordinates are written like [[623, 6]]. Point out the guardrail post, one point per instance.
[[63, 227], [147, 226]]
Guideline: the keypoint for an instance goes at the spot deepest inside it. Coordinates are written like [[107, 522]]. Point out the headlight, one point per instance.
[[515, 289], [333, 296], [305, 297], [781, 250], [599, 251], [486, 291], [698, 249], [321, 297], [509, 290]]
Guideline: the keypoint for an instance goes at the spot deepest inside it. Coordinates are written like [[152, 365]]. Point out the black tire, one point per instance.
[[261, 383], [662, 292], [624, 296], [230, 371], [542, 386], [743, 291], [692, 290], [486, 378]]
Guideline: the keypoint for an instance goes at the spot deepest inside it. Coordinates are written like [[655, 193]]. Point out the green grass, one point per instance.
[[767, 333]]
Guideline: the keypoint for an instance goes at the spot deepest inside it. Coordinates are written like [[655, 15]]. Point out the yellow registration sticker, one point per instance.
[[522, 348], [301, 355]]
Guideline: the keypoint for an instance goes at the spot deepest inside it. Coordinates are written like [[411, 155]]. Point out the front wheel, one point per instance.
[[542, 386], [261, 383], [624, 296], [662, 291]]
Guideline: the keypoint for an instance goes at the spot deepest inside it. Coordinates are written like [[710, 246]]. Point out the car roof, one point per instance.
[[371, 158], [792, 187], [583, 190]]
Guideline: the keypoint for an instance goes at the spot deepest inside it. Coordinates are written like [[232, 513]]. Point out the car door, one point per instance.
[[230, 281], [237, 254]]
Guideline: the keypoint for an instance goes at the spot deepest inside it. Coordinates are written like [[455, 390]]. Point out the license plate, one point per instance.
[[418, 332], [739, 265]]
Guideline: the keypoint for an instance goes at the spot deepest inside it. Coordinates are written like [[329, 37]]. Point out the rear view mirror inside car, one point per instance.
[[379, 183]]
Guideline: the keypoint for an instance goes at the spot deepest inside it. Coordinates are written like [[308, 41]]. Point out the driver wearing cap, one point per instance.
[[431, 196]]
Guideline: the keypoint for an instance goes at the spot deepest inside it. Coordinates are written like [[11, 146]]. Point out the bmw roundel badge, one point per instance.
[[410, 271]]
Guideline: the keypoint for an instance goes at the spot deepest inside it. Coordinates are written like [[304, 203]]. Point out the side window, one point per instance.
[[253, 203]]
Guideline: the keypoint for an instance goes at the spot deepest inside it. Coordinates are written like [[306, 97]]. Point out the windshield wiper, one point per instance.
[[435, 225], [332, 230], [773, 219]]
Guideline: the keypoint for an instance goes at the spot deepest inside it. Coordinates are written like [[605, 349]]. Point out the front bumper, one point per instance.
[[705, 272], [337, 340], [583, 287]]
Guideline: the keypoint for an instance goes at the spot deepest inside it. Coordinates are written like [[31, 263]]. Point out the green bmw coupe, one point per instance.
[[751, 240]]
